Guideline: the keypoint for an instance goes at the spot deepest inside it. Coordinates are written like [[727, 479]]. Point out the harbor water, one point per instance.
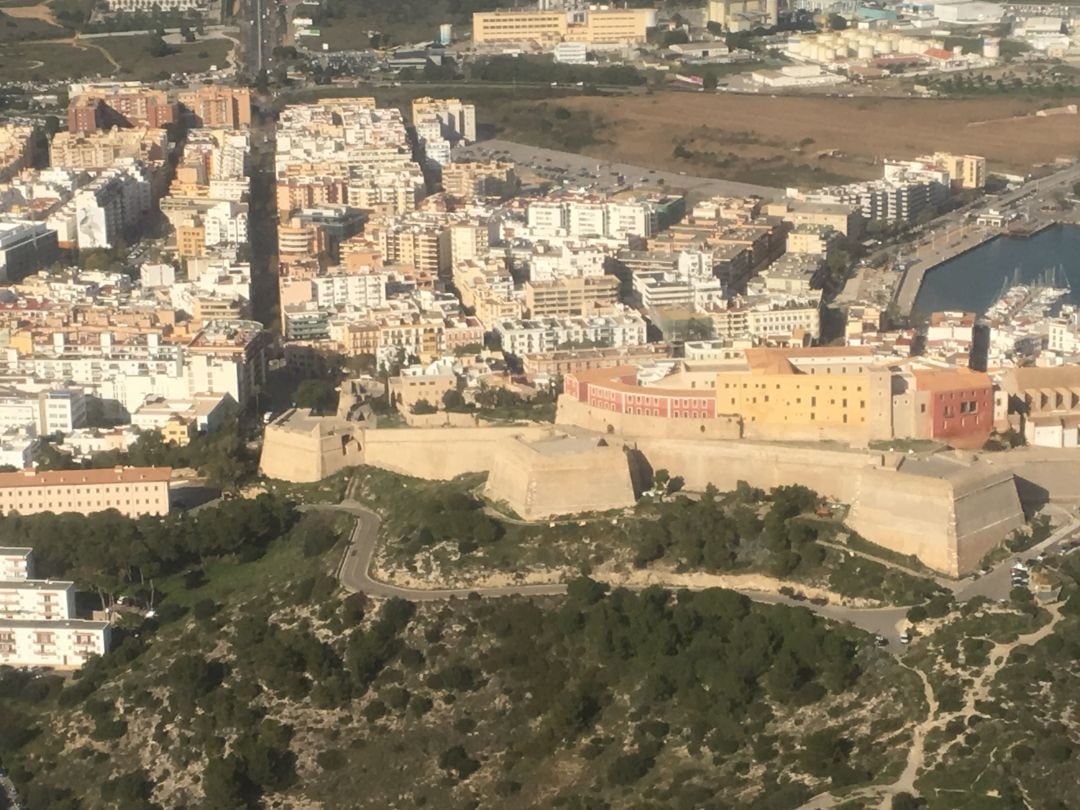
[[973, 281]]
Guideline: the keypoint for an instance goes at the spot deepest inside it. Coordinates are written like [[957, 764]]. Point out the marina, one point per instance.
[[971, 280]]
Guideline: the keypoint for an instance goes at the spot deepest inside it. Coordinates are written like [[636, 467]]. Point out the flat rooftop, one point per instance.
[[562, 444], [36, 585], [71, 478], [53, 624]]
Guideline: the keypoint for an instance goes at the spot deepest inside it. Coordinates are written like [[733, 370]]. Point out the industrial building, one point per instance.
[[595, 26]]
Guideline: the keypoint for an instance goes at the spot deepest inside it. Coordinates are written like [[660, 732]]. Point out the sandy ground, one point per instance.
[[840, 135], [616, 576], [40, 12]]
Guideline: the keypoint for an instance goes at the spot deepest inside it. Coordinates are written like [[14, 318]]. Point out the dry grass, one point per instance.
[[736, 136]]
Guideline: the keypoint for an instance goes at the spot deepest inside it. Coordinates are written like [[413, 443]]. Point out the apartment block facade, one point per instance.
[[132, 491], [37, 618]]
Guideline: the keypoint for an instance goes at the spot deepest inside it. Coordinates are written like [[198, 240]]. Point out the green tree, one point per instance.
[[422, 407]]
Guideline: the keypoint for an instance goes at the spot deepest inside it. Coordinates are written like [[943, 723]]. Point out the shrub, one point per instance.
[[457, 761], [332, 760], [628, 769]]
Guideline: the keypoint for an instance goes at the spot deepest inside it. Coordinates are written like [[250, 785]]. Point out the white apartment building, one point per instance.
[[37, 624], [59, 644], [16, 563], [770, 319], [112, 203], [45, 412], [468, 241], [227, 357], [149, 6], [1064, 333], [570, 260], [226, 223], [361, 292], [656, 288], [37, 599], [596, 219], [458, 120], [531, 336]]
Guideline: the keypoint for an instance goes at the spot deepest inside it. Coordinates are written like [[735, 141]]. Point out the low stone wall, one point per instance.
[[440, 419]]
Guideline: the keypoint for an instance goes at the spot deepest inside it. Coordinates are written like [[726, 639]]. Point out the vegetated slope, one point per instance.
[[1006, 681], [439, 533], [260, 680]]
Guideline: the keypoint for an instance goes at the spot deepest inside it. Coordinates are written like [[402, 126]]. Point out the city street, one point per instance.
[[259, 35]]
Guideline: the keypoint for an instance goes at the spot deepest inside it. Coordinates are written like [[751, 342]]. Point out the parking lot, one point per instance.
[[590, 174]]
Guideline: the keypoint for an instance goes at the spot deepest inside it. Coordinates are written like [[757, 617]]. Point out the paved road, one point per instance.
[[259, 41], [354, 572], [998, 583]]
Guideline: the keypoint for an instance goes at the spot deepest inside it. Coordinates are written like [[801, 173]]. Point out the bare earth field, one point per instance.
[[803, 140]]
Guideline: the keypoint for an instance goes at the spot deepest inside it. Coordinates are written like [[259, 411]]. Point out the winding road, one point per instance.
[[354, 573]]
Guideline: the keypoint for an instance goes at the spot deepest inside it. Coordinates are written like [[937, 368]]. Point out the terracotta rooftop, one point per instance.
[[950, 379], [116, 475]]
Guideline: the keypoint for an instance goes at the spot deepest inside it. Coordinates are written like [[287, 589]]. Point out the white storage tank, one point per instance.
[[992, 48]]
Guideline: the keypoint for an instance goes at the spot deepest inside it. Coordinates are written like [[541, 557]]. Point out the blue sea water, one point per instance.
[[972, 281]]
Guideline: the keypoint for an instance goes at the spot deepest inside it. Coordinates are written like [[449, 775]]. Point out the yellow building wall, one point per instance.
[[795, 399]]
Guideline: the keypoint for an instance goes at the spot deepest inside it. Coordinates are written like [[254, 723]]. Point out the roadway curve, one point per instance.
[[354, 573]]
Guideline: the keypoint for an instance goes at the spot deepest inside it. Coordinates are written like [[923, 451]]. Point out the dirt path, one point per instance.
[[917, 754], [82, 45], [917, 759]]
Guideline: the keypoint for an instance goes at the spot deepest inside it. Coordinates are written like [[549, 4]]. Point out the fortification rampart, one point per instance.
[[302, 448], [439, 453], [441, 419], [948, 513], [832, 473], [559, 475]]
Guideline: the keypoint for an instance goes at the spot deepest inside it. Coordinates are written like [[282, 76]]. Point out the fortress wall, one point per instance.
[[510, 478], [438, 453], [854, 436], [985, 514], [1043, 474], [832, 473], [291, 455], [909, 514], [572, 412], [535, 485], [309, 449]]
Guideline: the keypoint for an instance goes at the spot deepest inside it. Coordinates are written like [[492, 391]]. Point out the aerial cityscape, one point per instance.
[[539, 403]]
